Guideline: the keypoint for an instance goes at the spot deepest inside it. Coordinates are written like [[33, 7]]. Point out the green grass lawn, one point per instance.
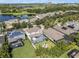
[[27, 51], [48, 42], [65, 54]]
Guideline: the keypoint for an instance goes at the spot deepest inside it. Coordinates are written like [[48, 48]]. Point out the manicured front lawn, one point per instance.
[[26, 51]]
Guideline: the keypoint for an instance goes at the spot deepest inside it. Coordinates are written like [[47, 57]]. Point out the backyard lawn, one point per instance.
[[48, 42], [26, 51]]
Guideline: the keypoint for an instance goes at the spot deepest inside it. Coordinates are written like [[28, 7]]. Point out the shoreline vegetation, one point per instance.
[[17, 14]]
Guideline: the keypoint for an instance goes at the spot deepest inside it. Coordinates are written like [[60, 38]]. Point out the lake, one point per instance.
[[9, 17]]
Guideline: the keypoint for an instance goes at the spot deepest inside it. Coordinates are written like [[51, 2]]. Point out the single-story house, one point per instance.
[[9, 26], [35, 34], [53, 34], [64, 29], [1, 39], [38, 16], [15, 38], [73, 53], [10, 22], [73, 24]]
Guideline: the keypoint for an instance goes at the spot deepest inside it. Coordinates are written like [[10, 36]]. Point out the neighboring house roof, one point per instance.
[[62, 30], [73, 53], [33, 29], [9, 26], [53, 34], [74, 23], [14, 35]]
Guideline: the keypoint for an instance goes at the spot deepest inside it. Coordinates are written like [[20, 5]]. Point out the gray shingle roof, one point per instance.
[[65, 31], [53, 34], [33, 29]]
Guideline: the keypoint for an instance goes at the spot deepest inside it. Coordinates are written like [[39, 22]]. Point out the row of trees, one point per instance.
[[22, 25], [11, 9], [51, 21], [5, 51], [53, 8]]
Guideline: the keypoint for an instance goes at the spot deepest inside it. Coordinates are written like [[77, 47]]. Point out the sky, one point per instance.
[[39, 1]]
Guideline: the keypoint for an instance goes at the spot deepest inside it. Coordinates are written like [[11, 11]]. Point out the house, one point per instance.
[[15, 38], [35, 34], [1, 39], [9, 23], [53, 34], [9, 26], [64, 29], [39, 16], [73, 24], [73, 53]]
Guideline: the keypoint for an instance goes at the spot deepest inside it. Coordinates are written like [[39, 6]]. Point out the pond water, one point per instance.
[[9, 17]]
